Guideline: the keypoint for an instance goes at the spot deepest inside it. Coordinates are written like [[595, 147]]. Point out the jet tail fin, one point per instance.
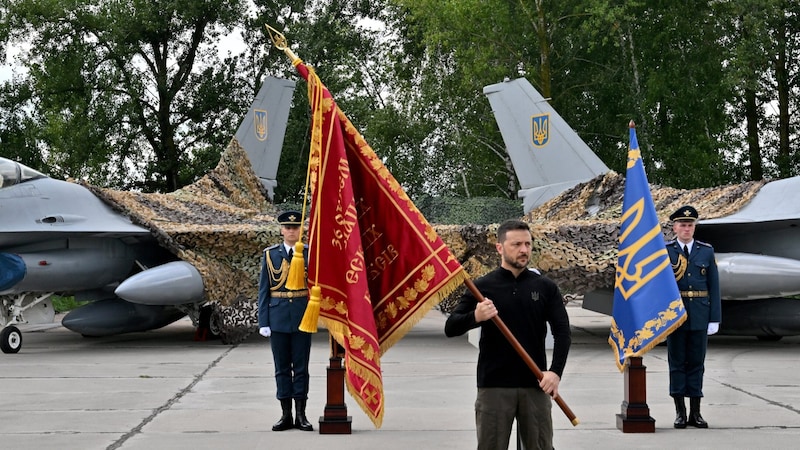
[[262, 131], [548, 155]]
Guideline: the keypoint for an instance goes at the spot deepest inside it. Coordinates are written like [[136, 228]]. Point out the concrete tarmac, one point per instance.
[[162, 390]]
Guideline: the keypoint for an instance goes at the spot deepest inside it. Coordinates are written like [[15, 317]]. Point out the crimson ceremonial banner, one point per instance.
[[378, 262]]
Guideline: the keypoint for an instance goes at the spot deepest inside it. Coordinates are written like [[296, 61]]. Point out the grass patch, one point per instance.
[[64, 304]]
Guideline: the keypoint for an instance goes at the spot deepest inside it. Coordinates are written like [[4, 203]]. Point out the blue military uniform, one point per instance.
[[282, 309], [698, 282]]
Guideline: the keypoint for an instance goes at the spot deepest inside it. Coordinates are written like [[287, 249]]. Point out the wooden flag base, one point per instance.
[[635, 417], [335, 419]]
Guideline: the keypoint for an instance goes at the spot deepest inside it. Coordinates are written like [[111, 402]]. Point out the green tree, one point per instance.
[[128, 93]]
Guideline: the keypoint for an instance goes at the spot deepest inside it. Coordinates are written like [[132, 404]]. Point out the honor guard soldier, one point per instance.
[[280, 311], [698, 282]]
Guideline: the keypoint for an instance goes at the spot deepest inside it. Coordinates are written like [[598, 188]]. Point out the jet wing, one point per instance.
[[776, 200]]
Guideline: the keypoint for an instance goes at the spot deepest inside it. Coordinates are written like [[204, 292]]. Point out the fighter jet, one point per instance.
[[757, 245], [59, 237]]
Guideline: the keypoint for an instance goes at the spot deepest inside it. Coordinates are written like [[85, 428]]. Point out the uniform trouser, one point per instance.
[[290, 352], [496, 408], [686, 353]]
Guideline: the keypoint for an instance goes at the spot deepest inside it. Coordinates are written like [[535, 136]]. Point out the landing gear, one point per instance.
[[25, 308], [11, 339], [208, 324]]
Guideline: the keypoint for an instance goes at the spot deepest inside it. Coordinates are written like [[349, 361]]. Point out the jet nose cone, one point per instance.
[[12, 270]]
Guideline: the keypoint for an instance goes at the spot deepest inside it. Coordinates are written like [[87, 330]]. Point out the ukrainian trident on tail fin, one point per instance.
[[548, 155]]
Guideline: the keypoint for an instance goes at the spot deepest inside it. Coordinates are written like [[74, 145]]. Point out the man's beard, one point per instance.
[[515, 263]]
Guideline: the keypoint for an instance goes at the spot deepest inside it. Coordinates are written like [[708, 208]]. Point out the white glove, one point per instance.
[[713, 327], [265, 331]]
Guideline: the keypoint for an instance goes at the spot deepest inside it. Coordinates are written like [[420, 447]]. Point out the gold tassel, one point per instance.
[[309, 322], [297, 269]]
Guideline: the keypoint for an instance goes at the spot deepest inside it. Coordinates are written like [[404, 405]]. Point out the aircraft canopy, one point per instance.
[[12, 173]]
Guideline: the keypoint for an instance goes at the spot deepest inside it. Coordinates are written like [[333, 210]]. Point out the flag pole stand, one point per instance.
[[635, 417], [335, 419]]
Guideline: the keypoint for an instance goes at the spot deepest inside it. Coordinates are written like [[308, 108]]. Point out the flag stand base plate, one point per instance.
[[335, 419], [635, 416]]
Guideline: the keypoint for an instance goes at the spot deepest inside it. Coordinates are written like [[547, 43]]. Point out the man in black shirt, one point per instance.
[[526, 301]]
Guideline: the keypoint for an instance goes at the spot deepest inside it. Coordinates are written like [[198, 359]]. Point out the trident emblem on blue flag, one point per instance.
[[647, 303]]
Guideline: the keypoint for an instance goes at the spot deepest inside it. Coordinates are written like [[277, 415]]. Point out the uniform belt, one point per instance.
[[691, 294], [289, 294]]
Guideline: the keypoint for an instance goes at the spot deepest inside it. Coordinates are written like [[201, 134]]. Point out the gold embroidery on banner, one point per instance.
[[346, 222], [384, 174], [633, 346], [372, 395], [356, 267], [410, 296], [370, 236], [382, 261]]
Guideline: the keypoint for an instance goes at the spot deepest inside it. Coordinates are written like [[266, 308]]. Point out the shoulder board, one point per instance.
[[670, 242], [704, 244], [271, 247]]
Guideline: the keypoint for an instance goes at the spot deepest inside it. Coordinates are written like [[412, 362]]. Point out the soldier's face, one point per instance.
[[291, 233], [684, 230], [516, 249]]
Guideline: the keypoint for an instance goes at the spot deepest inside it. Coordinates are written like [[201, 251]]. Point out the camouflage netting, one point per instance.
[[578, 248], [223, 221], [220, 224]]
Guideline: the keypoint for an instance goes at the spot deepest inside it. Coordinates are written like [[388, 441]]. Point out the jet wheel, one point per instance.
[[215, 322], [11, 339]]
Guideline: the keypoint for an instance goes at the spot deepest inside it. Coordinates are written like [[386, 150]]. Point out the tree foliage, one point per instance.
[[127, 93], [138, 94]]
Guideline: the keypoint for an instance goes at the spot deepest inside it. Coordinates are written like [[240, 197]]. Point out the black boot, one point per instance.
[[285, 422], [300, 421], [695, 419], [680, 412]]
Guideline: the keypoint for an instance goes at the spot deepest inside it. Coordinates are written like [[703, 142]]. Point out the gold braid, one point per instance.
[[281, 272], [680, 267]]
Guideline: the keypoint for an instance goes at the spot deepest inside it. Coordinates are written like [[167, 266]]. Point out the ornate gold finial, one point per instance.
[[279, 41]]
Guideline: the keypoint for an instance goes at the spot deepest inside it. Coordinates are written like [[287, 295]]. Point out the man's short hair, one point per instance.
[[510, 225]]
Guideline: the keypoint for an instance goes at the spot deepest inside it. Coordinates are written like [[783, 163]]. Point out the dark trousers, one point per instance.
[[291, 352], [496, 409], [686, 354]]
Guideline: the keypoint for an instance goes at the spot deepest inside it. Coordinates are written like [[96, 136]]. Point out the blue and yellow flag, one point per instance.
[[647, 303]]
